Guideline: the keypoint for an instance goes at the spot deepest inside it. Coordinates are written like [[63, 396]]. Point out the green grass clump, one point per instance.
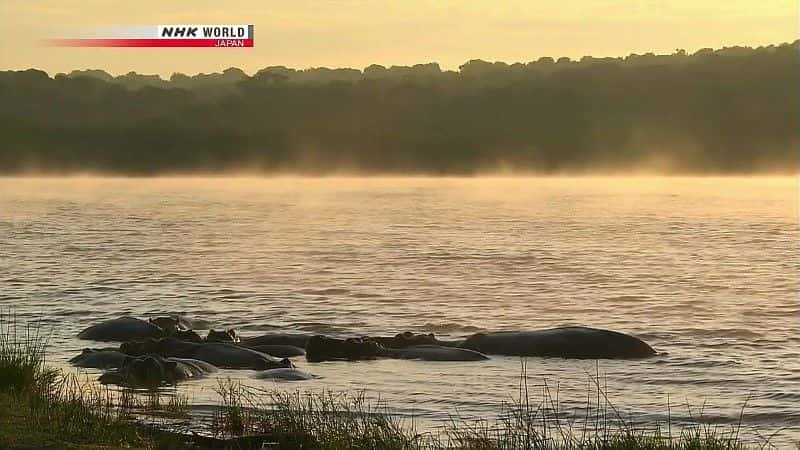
[[22, 359], [41, 407], [325, 421], [333, 421]]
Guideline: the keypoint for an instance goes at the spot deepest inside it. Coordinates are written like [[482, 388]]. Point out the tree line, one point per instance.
[[731, 110]]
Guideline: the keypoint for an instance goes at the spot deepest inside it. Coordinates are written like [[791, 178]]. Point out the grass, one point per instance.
[[542, 424], [43, 408], [22, 357], [329, 421], [325, 420]]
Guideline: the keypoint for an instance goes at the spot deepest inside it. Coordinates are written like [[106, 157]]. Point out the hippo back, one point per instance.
[[278, 351], [155, 370], [105, 358], [191, 368], [296, 340], [167, 347], [285, 374], [122, 329], [231, 356], [438, 353], [565, 342]]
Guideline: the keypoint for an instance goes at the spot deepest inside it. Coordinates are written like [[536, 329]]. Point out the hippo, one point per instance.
[[122, 329], [296, 339], [187, 335], [101, 358], [285, 374], [151, 371], [170, 325], [159, 346], [435, 353], [564, 342], [279, 351], [323, 348], [223, 355], [409, 339], [222, 336]]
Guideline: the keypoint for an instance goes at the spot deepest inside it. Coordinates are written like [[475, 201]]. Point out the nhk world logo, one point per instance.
[[220, 36]]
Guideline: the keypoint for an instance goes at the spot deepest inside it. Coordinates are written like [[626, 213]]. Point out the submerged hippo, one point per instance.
[[285, 374], [279, 351], [323, 348], [153, 371], [122, 329], [293, 339], [223, 355], [565, 342], [102, 358], [436, 353]]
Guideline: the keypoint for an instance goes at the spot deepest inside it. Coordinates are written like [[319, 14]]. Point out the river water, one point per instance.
[[703, 269]]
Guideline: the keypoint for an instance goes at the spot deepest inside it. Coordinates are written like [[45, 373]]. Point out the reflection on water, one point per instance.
[[705, 269]]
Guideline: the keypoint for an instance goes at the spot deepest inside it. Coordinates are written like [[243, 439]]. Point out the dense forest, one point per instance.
[[733, 110]]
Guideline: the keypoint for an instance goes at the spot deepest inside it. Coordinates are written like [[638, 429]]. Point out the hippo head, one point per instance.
[[409, 339], [222, 336], [322, 348], [138, 348], [187, 335], [169, 325], [361, 348]]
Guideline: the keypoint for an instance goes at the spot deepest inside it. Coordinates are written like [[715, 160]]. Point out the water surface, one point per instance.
[[704, 269]]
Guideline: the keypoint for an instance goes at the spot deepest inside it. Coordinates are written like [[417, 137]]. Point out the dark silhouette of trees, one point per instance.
[[733, 110]]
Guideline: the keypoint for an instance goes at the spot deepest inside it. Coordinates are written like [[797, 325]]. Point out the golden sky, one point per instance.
[[356, 33]]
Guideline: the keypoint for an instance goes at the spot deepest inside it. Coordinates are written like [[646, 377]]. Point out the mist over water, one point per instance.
[[704, 269]]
